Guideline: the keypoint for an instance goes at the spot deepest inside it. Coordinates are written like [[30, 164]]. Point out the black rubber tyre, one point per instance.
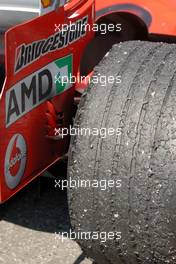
[[143, 157], [2, 76]]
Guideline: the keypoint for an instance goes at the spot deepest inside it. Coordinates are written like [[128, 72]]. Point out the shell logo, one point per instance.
[[46, 3]]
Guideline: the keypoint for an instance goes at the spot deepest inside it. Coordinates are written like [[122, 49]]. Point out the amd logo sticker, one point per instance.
[[15, 161], [37, 88]]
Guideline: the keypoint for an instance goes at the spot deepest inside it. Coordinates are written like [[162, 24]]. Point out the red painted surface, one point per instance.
[[161, 11], [26, 150]]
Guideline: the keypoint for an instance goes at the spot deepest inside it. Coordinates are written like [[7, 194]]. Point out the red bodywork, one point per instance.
[[158, 16], [30, 100]]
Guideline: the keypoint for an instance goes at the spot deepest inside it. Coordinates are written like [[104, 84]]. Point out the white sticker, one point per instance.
[[38, 87], [15, 161]]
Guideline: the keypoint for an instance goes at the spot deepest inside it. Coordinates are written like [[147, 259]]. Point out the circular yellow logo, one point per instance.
[[46, 3]]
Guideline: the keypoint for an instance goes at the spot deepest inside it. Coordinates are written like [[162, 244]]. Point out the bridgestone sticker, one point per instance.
[[15, 161], [27, 54], [35, 89]]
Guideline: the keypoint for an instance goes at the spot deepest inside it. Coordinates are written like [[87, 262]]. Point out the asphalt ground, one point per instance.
[[31, 224]]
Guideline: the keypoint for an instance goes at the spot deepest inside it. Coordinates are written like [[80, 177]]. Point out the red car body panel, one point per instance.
[[159, 16], [30, 85]]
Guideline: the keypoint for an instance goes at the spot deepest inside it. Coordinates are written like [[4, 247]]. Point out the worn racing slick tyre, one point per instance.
[[142, 157]]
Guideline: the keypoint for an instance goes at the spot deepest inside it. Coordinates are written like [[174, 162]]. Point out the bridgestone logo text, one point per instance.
[[26, 54]]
